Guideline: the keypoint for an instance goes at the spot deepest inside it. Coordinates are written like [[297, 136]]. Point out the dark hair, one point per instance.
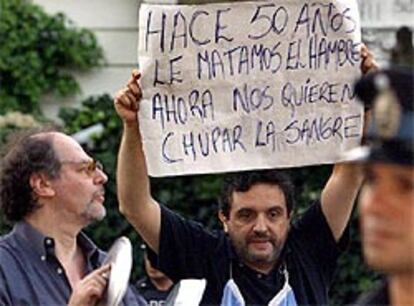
[[404, 36], [26, 153], [242, 182]]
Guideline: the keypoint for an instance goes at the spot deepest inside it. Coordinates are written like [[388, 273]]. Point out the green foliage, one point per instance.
[[38, 53], [14, 121]]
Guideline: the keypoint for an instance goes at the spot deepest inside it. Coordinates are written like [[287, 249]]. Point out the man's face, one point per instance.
[[258, 224], [79, 190], [387, 218]]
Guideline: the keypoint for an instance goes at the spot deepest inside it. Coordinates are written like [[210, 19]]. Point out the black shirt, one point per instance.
[[310, 254], [30, 273]]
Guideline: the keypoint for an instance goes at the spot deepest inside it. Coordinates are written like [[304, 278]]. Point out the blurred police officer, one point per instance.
[[387, 198]]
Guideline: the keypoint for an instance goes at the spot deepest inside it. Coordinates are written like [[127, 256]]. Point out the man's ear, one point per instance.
[[41, 185], [223, 220]]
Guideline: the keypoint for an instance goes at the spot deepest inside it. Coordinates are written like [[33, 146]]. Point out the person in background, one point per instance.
[[402, 54], [261, 257], [386, 203], [51, 189], [155, 285]]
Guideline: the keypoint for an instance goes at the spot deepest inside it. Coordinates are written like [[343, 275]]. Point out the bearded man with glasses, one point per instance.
[[51, 189]]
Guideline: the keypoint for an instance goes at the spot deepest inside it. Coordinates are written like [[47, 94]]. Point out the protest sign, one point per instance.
[[248, 85]]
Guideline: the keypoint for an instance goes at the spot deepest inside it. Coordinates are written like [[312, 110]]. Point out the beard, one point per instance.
[[94, 211], [249, 254]]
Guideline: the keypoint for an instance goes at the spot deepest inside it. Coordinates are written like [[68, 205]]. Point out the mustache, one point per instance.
[[98, 193], [261, 237]]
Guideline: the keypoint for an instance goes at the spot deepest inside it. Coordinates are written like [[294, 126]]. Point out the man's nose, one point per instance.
[[260, 225], [100, 177], [373, 200]]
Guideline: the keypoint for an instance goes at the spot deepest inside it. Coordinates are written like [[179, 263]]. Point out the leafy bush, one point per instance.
[[38, 53], [13, 121]]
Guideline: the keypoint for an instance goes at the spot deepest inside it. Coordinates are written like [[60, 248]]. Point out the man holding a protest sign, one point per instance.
[[262, 259]]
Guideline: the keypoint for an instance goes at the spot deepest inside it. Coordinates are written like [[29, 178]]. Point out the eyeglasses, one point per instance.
[[89, 167]]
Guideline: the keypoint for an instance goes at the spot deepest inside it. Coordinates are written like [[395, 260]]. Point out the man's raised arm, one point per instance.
[[133, 185], [341, 190]]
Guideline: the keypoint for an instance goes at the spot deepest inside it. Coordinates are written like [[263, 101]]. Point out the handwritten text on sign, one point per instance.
[[248, 85]]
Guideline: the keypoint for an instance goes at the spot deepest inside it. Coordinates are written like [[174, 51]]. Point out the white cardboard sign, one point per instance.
[[248, 85]]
